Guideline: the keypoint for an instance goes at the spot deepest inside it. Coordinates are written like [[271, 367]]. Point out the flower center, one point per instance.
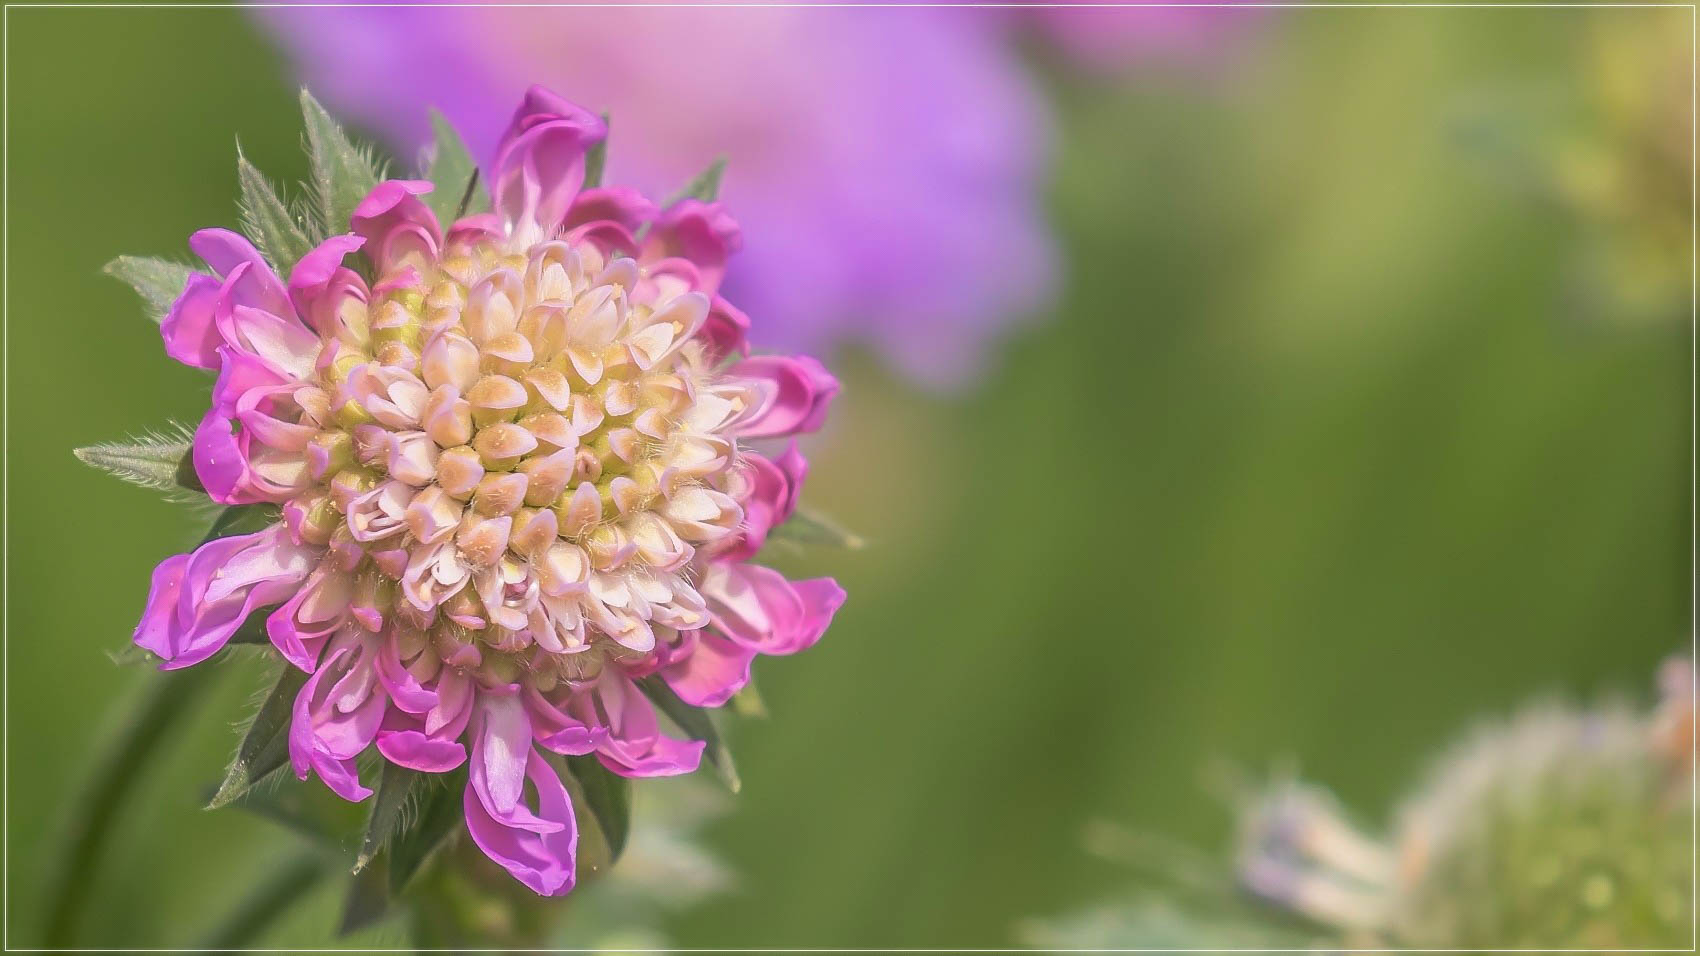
[[520, 452]]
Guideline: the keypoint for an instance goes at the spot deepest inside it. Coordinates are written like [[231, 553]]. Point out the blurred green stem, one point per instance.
[[271, 899], [162, 700]]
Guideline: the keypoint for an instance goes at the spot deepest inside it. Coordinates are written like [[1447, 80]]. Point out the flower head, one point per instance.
[[515, 490]]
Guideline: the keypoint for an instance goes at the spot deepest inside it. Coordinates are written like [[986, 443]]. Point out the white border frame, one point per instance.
[[6, 417]]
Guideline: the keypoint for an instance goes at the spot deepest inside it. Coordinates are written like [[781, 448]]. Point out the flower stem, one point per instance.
[[163, 699], [271, 899]]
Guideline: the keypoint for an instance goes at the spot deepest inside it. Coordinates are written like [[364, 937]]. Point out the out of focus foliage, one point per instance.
[[1319, 451], [1560, 828]]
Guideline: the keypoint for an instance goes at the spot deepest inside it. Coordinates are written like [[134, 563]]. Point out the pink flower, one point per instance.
[[514, 478]]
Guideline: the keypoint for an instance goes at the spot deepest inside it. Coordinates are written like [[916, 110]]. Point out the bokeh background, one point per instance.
[[1360, 406]]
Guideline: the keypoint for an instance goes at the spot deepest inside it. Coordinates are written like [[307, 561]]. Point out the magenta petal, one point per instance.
[[801, 388], [622, 204], [771, 498], [399, 682], [501, 741], [636, 747], [315, 273], [324, 738], [159, 617], [540, 162], [701, 232], [559, 731], [197, 601], [725, 330], [190, 333], [715, 669], [402, 740], [258, 286], [543, 861], [758, 608], [395, 223]]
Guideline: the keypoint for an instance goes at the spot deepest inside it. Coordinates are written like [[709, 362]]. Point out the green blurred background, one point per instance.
[[1323, 452]]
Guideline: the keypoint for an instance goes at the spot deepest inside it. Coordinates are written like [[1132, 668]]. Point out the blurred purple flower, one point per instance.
[[885, 163], [1105, 37]]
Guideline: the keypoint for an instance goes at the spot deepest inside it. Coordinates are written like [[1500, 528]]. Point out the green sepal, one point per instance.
[[807, 528], [609, 799], [151, 461], [705, 186], [397, 789], [437, 821], [698, 724], [265, 745], [748, 703], [596, 160], [368, 899], [342, 173], [241, 519], [158, 281], [453, 175], [267, 220]]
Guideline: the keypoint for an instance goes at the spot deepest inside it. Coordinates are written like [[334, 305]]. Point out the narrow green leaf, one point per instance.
[[452, 173], [265, 746], [396, 788], [807, 528], [439, 818], [267, 220], [706, 185], [596, 160], [609, 797], [158, 281], [695, 722], [368, 899], [106, 793], [342, 173], [151, 460]]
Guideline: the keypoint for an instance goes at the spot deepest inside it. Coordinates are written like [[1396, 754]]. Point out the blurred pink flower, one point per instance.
[[514, 475], [887, 162]]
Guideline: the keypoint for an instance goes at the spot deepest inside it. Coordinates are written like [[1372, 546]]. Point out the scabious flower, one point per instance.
[[888, 163], [512, 465], [1560, 827]]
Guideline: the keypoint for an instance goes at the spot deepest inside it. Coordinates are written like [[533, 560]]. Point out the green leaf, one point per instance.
[[609, 797], [807, 528], [241, 519], [368, 899], [695, 722], [265, 746], [453, 175], [152, 460], [107, 792], [342, 173], [281, 889], [439, 818], [267, 220], [706, 185], [396, 789], [596, 160], [158, 281]]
